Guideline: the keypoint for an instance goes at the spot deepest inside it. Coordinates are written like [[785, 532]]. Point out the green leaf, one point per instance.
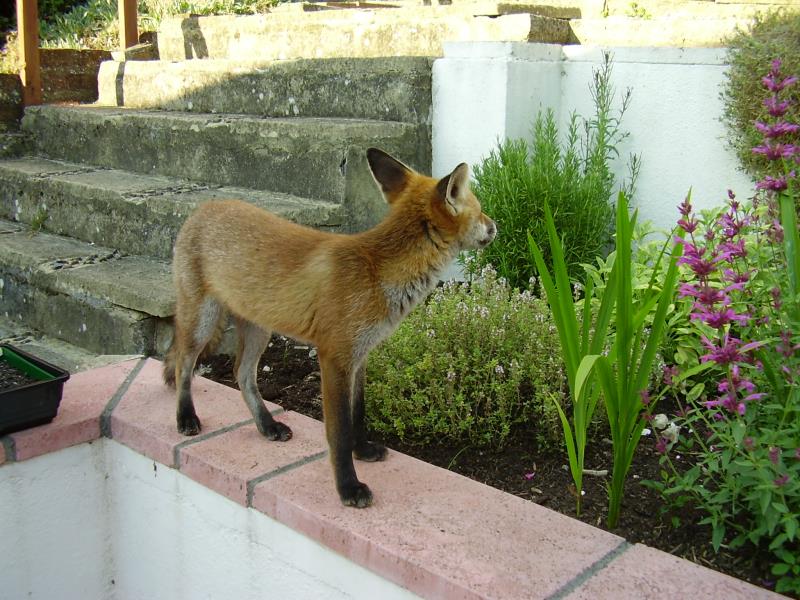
[[717, 535], [780, 507], [696, 392], [780, 569], [583, 374]]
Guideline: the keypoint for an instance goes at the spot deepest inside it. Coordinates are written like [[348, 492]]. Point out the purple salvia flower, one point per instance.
[[775, 107], [782, 480], [775, 151], [774, 455], [773, 184], [776, 130]]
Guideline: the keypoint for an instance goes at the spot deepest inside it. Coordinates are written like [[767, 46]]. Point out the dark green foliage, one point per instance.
[[574, 176], [772, 36]]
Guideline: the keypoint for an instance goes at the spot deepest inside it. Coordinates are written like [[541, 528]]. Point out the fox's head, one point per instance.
[[446, 206]]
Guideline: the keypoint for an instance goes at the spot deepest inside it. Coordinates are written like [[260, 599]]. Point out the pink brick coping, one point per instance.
[[431, 531]]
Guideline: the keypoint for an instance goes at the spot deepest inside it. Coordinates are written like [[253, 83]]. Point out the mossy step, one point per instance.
[[322, 159], [135, 213], [383, 89], [90, 296], [282, 35]]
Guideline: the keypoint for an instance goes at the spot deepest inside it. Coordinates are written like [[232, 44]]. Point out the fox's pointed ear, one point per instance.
[[390, 174], [453, 188]]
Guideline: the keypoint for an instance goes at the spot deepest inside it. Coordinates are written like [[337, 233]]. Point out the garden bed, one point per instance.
[[521, 468]]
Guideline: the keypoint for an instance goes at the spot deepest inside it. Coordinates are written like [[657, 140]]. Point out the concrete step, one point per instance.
[[417, 31], [384, 89], [668, 31], [12, 143], [93, 297], [323, 159], [701, 9], [134, 213], [57, 352]]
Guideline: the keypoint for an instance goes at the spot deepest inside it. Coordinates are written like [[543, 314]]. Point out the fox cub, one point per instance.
[[342, 293]]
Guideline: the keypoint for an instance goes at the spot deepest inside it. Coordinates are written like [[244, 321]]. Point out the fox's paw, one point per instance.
[[188, 424], [370, 452], [276, 431], [357, 495]]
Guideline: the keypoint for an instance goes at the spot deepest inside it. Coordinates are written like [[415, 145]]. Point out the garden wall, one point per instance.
[[102, 521], [487, 91]]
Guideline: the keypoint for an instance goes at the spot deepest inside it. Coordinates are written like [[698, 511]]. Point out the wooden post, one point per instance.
[[30, 74], [128, 30]]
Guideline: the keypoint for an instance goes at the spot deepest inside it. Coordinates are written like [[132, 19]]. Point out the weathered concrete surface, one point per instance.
[[13, 144], [305, 157], [57, 352], [70, 75], [363, 33], [86, 295], [137, 214], [10, 101], [668, 31], [385, 89]]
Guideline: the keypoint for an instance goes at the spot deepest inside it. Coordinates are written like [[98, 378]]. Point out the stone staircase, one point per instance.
[[89, 212], [276, 109]]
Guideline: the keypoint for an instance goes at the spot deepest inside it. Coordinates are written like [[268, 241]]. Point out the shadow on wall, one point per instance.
[[194, 43]]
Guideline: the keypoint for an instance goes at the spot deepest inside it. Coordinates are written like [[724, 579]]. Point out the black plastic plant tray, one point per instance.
[[30, 404]]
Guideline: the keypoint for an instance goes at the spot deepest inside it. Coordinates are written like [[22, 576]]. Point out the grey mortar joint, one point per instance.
[[60, 264], [187, 188], [66, 172]]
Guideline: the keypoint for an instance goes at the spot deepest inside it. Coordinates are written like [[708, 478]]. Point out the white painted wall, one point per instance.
[[483, 92], [101, 521]]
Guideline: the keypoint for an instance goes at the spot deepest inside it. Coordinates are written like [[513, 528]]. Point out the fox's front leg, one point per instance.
[[337, 387], [364, 449]]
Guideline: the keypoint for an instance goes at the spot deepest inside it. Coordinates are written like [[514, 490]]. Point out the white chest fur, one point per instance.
[[400, 300]]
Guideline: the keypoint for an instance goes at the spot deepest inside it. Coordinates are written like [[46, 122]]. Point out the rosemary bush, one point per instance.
[[573, 176]]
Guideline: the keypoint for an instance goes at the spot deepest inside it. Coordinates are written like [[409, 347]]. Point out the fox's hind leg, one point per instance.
[[192, 332], [252, 342]]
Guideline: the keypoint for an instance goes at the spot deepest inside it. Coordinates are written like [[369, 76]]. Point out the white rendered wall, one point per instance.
[[489, 91], [54, 528], [102, 521]]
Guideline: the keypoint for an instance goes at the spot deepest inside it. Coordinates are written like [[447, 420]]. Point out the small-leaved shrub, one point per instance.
[[773, 34], [467, 366], [573, 175]]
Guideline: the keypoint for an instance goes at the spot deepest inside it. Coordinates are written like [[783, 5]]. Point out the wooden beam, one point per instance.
[[128, 30], [28, 31]]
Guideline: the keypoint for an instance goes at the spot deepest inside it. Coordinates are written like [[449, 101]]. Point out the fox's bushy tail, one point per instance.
[[171, 357]]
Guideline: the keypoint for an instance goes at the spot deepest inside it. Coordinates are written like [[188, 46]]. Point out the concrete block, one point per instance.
[[306, 157], [137, 214], [385, 89]]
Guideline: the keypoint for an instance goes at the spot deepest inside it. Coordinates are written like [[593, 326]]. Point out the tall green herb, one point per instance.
[[572, 175]]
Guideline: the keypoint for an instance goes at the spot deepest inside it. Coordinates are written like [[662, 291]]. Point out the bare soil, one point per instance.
[[11, 377], [289, 376]]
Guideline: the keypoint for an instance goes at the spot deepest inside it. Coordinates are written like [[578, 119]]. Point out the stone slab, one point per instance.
[[144, 420], [679, 32], [310, 158], [362, 33], [447, 536], [134, 282], [227, 462], [643, 572], [84, 398], [135, 213], [385, 88]]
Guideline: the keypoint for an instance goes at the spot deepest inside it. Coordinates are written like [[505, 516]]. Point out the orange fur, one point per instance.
[[342, 293]]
